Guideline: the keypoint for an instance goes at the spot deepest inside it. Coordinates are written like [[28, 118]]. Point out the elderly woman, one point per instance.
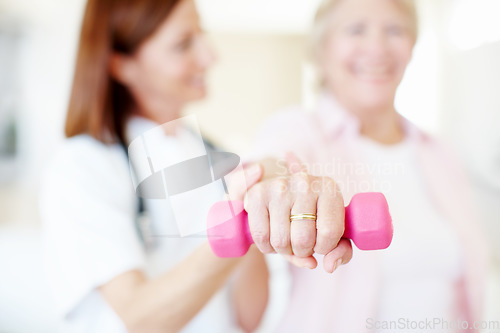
[[434, 269]]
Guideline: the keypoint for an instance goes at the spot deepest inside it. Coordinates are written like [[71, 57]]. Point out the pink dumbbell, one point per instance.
[[367, 222]]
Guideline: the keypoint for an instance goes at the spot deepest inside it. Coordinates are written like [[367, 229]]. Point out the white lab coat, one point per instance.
[[89, 212]]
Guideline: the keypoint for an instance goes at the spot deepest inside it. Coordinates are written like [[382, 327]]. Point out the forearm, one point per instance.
[[250, 290], [168, 303], [171, 301]]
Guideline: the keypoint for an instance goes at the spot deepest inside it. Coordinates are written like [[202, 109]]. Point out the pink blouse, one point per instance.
[[327, 140]]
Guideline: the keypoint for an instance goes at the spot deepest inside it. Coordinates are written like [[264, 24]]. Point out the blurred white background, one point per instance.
[[451, 90]]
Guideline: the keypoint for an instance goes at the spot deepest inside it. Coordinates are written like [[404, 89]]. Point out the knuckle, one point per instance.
[[302, 183], [261, 238], [254, 193], [316, 185], [331, 233], [279, 185], [260, 190], [301, 176], [329, 184], [279, 242], [304, 241], [279, 190]]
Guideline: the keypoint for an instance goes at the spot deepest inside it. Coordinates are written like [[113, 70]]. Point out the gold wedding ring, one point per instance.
[[299, 217]]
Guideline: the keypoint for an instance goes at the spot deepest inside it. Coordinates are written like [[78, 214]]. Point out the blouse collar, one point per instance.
[[337, 122]]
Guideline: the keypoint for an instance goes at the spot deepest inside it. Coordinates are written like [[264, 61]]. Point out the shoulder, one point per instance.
[[439, 154], [435, 145], [83, 152], [86, 151], [84, 163]]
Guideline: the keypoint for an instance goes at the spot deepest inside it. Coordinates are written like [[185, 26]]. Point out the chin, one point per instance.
[[200, 95], [196, 94], [376, 97], [372, 101], [376, 105]]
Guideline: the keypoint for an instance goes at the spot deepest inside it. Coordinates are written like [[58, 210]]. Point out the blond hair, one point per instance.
[[323, 16]]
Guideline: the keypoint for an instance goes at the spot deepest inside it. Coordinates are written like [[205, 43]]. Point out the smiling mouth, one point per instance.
[[373, 73]]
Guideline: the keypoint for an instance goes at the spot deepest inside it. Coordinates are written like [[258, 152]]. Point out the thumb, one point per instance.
[[294, 163], [242, 180]]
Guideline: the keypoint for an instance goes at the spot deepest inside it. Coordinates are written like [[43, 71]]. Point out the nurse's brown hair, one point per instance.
[[99, 105]]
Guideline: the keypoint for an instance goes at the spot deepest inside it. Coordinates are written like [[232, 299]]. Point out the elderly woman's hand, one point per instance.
[[270, 204]]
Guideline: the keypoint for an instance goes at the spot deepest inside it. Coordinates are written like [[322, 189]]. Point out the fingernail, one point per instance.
[[337, 264]]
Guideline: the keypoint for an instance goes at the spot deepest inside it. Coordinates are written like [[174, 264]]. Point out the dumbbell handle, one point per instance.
[[367, 222]]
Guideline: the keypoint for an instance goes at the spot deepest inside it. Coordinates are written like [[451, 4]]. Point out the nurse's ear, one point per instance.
[[123, 68]]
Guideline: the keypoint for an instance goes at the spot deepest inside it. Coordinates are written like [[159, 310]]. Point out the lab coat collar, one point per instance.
[[137, 125]]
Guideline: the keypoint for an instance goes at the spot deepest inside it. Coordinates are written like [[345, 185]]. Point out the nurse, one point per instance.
[[139, 63]]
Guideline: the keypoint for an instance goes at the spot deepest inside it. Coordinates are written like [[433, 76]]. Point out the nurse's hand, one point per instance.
[[271, 202]]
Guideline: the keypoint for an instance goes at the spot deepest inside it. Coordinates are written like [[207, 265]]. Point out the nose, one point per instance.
[[376, 43], [206, 55]]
